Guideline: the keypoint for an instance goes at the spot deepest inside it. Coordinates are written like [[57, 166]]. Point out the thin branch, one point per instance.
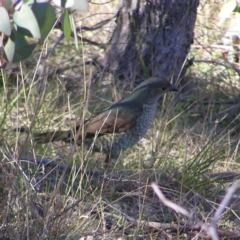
[[222, 206], [212, 230], [96, 26]]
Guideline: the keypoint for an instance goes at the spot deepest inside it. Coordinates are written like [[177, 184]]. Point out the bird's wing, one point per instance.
[[112, 120]]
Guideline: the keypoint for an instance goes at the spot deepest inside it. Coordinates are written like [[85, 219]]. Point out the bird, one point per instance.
[[119, 126]]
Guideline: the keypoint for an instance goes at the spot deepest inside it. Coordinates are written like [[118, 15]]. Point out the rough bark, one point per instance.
[[151, 38]]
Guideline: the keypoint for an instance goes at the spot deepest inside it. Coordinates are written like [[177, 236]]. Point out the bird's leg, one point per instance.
[[111, 161], [108, 165], [108, 158], [107, 162]]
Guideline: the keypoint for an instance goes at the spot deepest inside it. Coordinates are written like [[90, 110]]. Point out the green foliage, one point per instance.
[[237, 9], [24, 17], [31, 23], [192, 152], [5, 26], [17, 48], [41, 10], [66, 23]]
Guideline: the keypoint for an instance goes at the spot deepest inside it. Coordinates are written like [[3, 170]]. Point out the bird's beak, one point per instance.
[[174, 88]]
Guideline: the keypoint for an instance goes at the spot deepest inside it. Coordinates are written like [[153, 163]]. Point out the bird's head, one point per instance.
[[152, 89]]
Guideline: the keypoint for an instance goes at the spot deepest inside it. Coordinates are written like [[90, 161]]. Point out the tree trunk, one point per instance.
[[151, 38]]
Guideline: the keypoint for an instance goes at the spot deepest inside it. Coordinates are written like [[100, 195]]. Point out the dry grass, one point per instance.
[[192, 153]]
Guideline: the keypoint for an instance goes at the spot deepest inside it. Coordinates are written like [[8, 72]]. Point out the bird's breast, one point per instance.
[[144, 122], [116, 142]]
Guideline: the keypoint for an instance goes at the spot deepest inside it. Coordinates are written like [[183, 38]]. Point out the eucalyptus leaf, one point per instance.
[[46, 16], [17, 48], [8, 4], [66, 23], [22, 49], [9, 49], [73, 27], [5, 25], [25, 18]]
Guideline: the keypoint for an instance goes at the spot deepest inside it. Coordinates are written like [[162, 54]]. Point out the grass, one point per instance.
[[181, 152], [191, 152]]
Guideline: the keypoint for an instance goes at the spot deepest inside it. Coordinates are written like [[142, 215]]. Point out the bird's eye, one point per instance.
[[164, 88]]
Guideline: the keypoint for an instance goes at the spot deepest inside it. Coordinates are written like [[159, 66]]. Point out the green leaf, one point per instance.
[[73, 27], [25, 18], [63, 2], [5, 25], [9, 49], [45, 15], [237, 9], [23, 49], [66, 24], [17, 48], [8, 4]]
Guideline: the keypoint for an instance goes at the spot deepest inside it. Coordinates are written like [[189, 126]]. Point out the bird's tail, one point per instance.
[[67, 136], [54, 136]]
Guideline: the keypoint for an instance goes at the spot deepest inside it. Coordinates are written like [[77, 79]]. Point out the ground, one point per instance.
[[191, 153]]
